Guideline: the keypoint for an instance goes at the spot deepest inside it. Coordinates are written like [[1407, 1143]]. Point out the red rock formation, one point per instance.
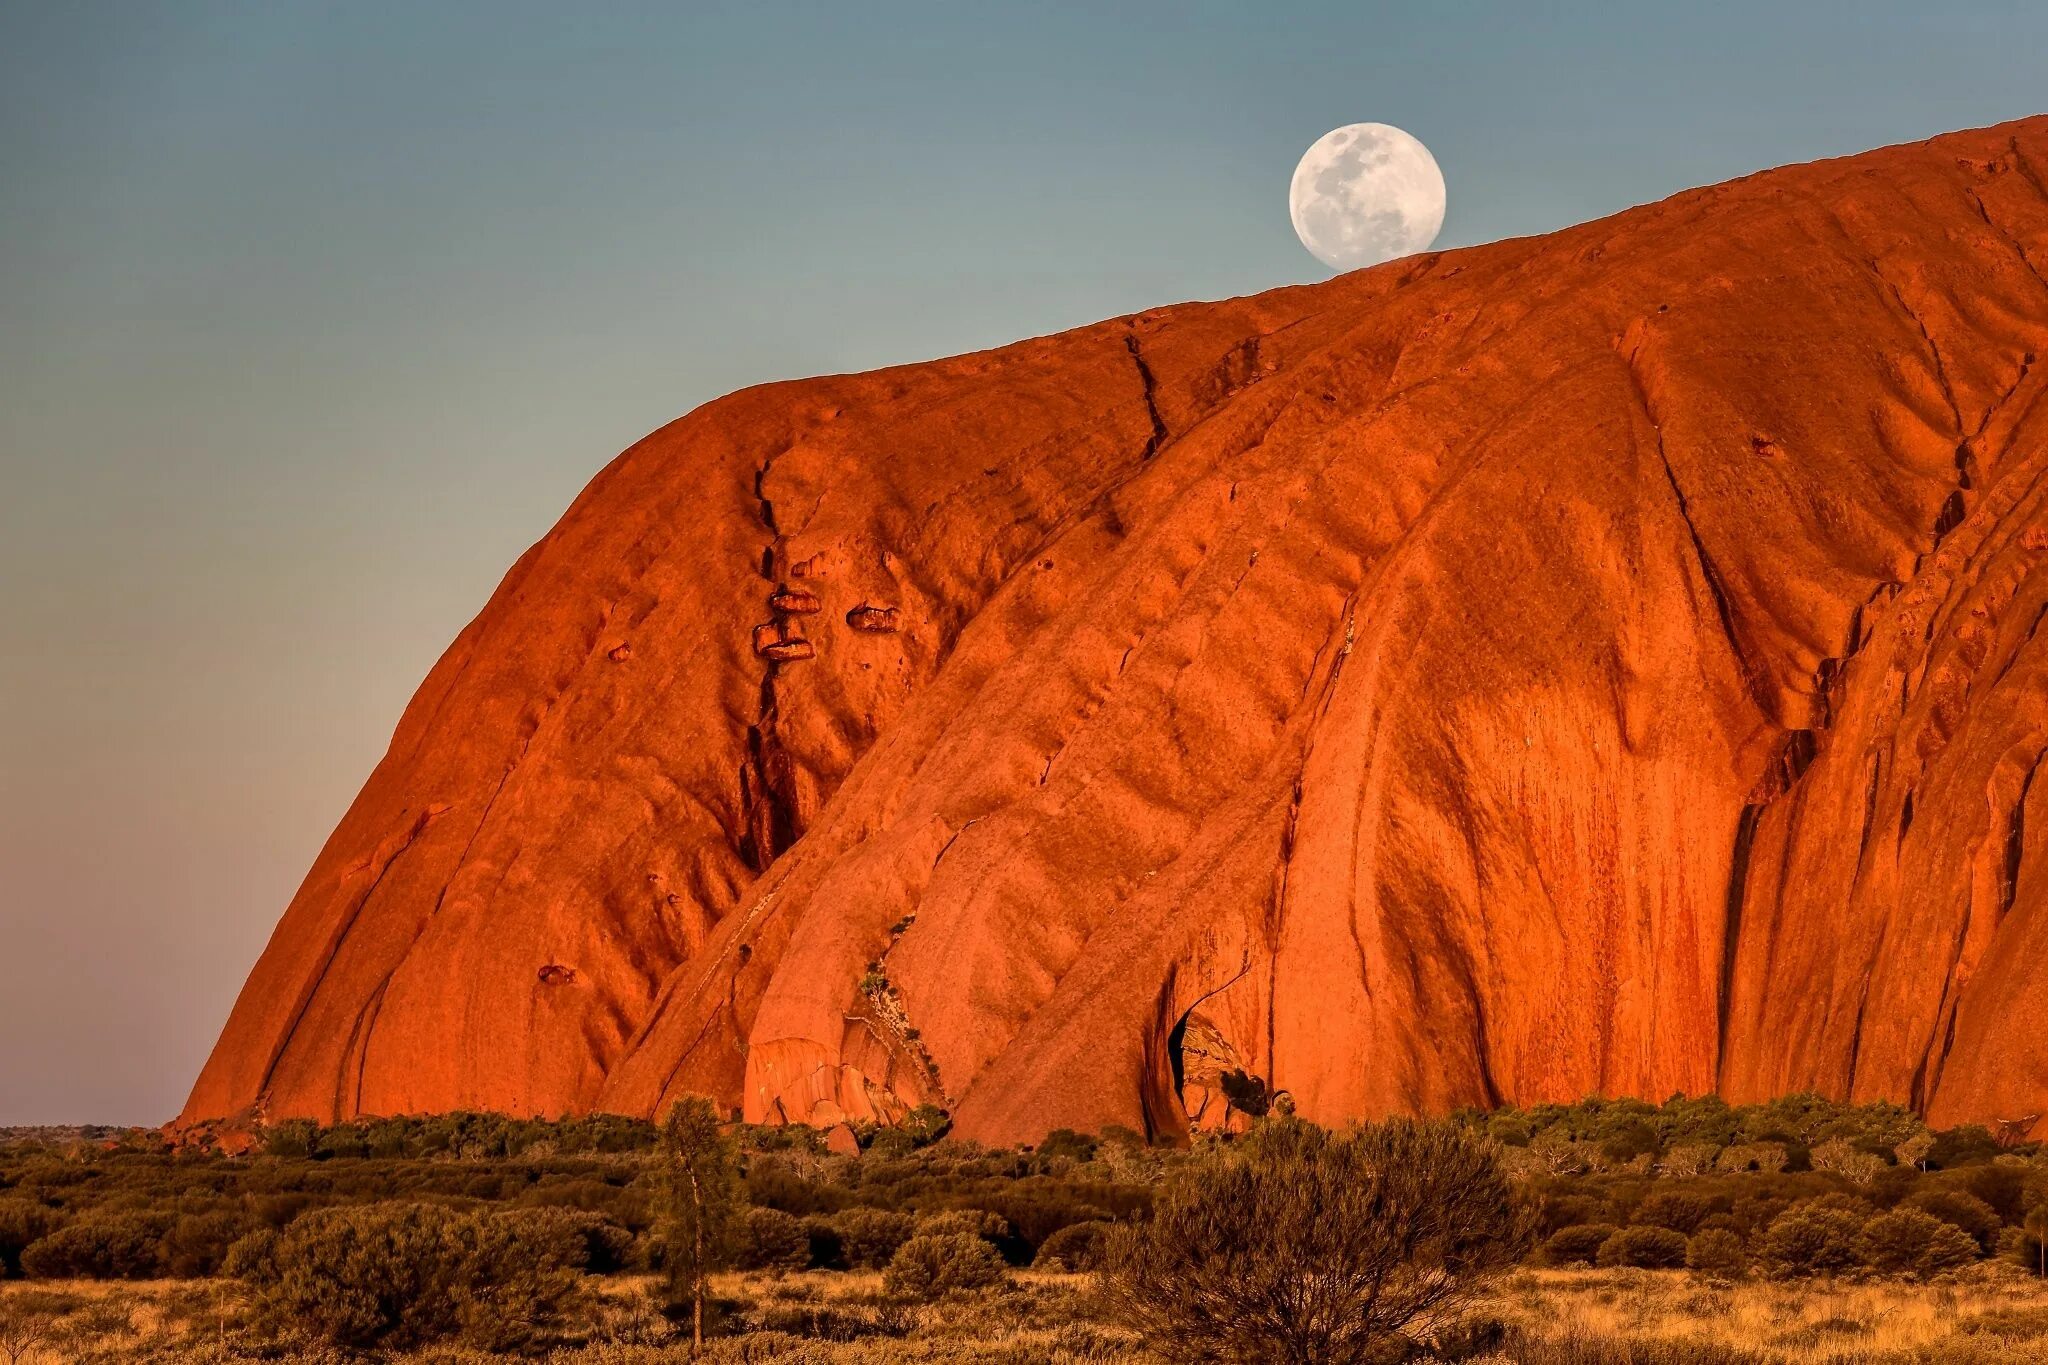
[[1598, 662]]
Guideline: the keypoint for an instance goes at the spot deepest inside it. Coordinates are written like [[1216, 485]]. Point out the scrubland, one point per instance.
[[1690, 1233]]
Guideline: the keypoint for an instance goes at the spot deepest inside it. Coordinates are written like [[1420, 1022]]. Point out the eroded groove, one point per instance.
[[771, 818], [1731, 921], [333, 951], [1150, 387], [1708, 571]]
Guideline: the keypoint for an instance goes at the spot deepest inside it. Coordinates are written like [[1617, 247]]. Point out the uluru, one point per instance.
[[1598, 663]]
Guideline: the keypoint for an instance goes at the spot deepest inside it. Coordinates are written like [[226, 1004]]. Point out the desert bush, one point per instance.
[[1768, 1157], [1961, 1209], [1674, 1209], [1065, 1142], [981, 1223], [1646, 1248], [1076, 1247], [1812, 1238], [1567, 1210], [1304, 1245], [1842, 1158], [773, 1240], [22, 1223], [1576, 1245], [395, 1275], [868, 1238], [1910, 1242], [197, 1243], [1961, 1147], [1717, 1253], [572, 1237], [930, 1266], [99, 1246]]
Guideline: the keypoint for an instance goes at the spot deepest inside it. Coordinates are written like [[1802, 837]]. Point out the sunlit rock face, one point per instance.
[[1605, 662]]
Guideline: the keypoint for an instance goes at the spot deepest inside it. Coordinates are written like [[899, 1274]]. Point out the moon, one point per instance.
[[1366, 193]]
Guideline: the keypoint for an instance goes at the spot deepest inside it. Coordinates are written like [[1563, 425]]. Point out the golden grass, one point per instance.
[[1989, 1317], [1990, 1313]]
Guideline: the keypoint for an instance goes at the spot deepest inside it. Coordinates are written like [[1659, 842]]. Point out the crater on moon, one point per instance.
[[1366, 193]]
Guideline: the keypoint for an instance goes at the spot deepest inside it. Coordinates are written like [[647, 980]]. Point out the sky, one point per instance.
[[313, 316]]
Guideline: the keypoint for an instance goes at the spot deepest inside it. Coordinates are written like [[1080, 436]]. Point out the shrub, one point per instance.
[[1077, 1247], [197, 1243], [992, 1227], [1065, 1142], [1647, 1248], [572, 1237], [21, 1224], [868, 1238], [395, 1275], [1304, 1245], [1674, 1209], [1847, 1160], [1576, 1245], [827, 1250], [929, 1267], [1768, 1157], [1717, 1253], [1567, 1210], [1910, 1242], [1961, 1209], [773, 1240], [99, 1246], [1811, 1239]]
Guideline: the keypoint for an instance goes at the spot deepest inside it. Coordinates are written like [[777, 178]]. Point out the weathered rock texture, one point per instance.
[[1605, 662]]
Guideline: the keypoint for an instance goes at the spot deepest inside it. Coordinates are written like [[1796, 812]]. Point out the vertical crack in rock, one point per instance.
[[1151, 391], [2015, 841], [1631, 359], [770, 817], [334, 947], [1731, 922]]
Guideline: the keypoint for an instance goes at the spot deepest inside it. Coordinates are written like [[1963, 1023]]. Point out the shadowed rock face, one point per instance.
[[1604, 662]]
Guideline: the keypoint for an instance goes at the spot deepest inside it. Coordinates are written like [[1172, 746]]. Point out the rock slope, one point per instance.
[[1603, 662]]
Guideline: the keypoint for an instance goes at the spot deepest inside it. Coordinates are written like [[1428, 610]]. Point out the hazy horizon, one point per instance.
[[317, 317]]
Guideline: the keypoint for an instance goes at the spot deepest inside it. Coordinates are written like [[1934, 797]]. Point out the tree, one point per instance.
[[1313, 1248], [701, 1204]]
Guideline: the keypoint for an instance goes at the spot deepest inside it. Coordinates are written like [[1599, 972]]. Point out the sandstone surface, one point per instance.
[[1603, 662]]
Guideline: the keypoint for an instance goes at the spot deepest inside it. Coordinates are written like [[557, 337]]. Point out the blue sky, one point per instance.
[[313, 316]]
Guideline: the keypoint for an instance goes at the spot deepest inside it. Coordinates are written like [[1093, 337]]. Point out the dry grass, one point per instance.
[[1555, 1317], [1991, 1316]]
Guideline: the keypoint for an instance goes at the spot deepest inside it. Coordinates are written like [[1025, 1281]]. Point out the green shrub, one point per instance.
[[1811, 1239], [1717, 1253], [397, 1275], [1076, 1248], [868, 1238], [1300, 1244], [992, 1227], [772, 1240], [197, 1243], [99, 1246], [1065, 1142], [929, 1267], [21, 1224], [1961, 1209], [1910, 1242], [1674, 1209], [1570, 1210], [1576, 1245], [1646, 1248]]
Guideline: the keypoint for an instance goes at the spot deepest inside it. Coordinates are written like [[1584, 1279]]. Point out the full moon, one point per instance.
[[1366, 193]]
